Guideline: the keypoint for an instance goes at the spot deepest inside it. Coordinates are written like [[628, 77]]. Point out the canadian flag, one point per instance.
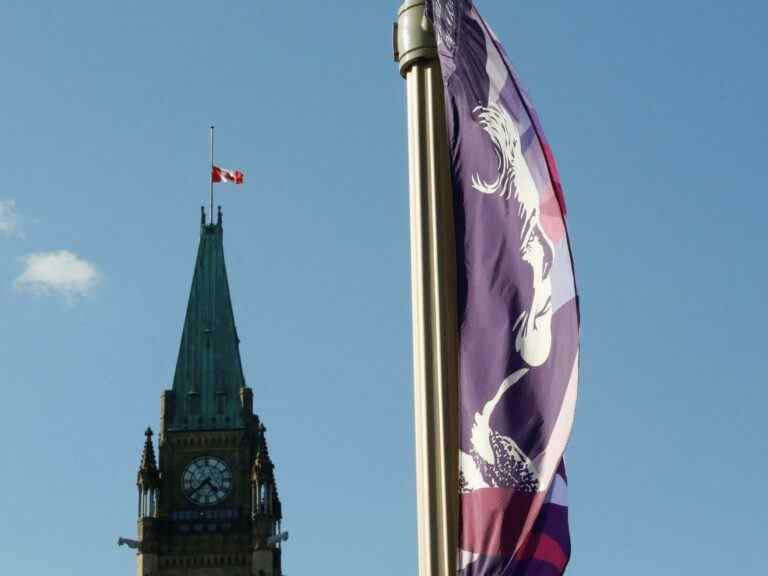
[[223, 175]]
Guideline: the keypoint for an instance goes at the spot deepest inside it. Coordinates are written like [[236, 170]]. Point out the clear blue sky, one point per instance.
[[657, 114]]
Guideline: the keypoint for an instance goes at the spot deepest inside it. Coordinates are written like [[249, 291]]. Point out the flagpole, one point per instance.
[[434, 294], [210, 174]]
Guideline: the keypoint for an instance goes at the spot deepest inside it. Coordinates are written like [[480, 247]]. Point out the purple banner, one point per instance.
[[518, 310]]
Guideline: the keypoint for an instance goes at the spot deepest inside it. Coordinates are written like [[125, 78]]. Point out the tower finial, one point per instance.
[[148, 473], [219, 217]]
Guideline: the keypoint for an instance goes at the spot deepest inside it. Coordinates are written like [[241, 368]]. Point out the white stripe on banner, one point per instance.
[[548, 461], [559, 492], [562, 292]]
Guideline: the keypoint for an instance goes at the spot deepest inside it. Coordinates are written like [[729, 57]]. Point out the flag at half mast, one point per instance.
[[223, 175], [517, 309]]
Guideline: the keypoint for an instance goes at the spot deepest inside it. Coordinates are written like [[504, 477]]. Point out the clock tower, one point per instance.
[[208, 506]]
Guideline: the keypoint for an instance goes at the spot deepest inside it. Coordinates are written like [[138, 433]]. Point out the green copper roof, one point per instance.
[[209, 374]]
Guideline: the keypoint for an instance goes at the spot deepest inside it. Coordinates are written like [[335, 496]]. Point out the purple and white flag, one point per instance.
[[518, 310]]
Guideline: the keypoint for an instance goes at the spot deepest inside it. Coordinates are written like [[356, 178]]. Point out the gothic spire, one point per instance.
[[209, 373], [148, 474]]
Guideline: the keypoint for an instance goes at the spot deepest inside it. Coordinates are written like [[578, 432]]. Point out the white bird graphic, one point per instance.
[[495, 459]]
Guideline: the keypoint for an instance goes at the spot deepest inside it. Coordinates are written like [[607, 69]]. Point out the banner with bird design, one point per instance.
[[518, 309]]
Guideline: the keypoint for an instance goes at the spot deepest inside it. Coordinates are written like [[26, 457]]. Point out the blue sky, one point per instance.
[[656, 113]]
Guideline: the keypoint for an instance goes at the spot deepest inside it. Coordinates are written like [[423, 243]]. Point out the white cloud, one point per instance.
[[58, 272], [9, 219]]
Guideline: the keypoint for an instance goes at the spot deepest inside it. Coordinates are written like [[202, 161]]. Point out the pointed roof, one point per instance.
[[148, 474], [209, 373]]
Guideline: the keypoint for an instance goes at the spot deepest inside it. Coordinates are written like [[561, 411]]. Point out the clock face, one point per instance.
[[206, 481]]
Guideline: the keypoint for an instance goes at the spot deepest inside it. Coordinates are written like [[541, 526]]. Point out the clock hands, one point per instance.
[[207, 481], [203, 483], [198, 487]]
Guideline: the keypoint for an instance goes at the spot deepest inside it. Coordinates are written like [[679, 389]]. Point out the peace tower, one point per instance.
[[209, 505]]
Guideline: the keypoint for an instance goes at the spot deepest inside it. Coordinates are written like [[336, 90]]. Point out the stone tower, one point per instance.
[[209, 505]]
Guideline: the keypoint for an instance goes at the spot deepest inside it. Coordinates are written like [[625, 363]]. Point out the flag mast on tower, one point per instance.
[[211, 174]]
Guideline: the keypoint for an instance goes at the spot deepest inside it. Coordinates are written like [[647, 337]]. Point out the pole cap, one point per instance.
[[414, 36]]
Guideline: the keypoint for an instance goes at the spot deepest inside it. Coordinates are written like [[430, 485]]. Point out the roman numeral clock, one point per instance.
[[207, 481]]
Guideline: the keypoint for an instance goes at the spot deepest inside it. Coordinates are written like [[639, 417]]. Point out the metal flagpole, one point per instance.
[[434, 294], [210, 174]]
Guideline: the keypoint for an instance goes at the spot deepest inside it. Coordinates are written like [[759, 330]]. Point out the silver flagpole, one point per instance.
[[434, 297], [210, 174]]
